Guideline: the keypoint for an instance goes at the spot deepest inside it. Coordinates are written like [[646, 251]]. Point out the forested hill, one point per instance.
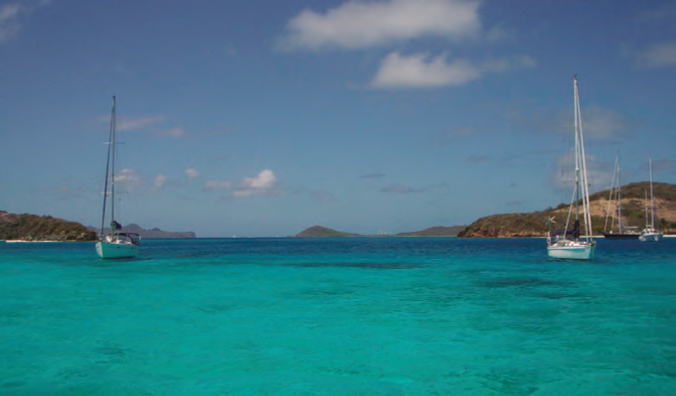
[[30, 227]]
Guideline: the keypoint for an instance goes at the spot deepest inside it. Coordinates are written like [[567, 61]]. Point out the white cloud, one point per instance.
[[214, 184], [134, 123], [159, 181], [360, 24], [419, 71], [175, 132], [264, 183], [657, 55], [192, 174], [127, 180]]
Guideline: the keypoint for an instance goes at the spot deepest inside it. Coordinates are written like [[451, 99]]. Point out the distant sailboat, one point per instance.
[[649, 233], [117, 244], [615, 189], [567, 244]]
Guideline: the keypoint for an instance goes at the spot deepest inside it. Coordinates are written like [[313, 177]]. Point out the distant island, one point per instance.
[[154, 233], [534, 224], [34, 228], [323, 232]]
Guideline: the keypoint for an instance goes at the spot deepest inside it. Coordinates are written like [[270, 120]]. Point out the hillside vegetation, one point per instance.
[[323, 232], [633, 214], [30, 227]]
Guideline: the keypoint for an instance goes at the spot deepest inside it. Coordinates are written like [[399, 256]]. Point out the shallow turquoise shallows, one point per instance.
[[353, 316]]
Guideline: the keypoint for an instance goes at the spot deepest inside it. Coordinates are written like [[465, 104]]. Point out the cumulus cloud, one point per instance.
[[264, 183], [192, 174], [422, 71], [159, 181], [359, 24], [657, 55], [127, 180]]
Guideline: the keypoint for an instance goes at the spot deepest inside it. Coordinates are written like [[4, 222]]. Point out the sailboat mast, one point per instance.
[[112, 182], [619, 194], [105, 185], [652, 197], [583, 162], [577, 157], [646, 208]]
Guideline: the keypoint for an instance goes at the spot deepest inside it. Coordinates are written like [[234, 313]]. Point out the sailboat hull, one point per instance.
[[572, 250], [633, 236], [655, 237], [107, 250]]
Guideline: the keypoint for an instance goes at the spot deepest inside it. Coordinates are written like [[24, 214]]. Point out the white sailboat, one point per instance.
[[623, 232], [117, 244], [567, 244], [649, 233]]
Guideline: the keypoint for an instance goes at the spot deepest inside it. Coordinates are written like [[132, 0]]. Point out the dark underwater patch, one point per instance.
[[361, 265], [522, 282]]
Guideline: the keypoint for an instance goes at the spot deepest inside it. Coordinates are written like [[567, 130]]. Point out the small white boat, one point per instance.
[[117, 244], [567, 244], [649, 233]]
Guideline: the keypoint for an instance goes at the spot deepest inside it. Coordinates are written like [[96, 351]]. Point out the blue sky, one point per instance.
[[263, 118]]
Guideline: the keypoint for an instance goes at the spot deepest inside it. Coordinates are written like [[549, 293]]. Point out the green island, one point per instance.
[[534, 224], [34, 228]]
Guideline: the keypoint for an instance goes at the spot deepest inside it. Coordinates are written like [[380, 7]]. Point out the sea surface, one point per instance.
[[350, 316]]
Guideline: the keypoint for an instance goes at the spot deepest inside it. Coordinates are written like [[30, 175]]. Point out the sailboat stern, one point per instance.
[[572, 250], [108, 250]]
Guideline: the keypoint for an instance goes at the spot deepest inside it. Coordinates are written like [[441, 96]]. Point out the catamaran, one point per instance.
[[117, 244], [649, 233], [567, 244], [623, 232]]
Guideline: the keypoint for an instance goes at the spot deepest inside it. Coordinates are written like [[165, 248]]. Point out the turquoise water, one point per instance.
[[371, 316]]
